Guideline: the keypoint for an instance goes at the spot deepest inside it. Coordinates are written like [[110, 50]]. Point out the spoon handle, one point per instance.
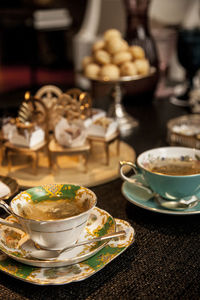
[[102, 238], [192, 200], [5, 206]]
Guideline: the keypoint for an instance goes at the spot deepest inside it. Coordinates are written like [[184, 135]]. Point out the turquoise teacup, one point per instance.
[[172, 172]]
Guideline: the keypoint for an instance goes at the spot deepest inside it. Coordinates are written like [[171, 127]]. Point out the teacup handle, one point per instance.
[[133, 166], [7, 208], [133, 180]]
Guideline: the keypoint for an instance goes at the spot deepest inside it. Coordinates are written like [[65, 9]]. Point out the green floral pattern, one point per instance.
[[52, 191], [76, 272]]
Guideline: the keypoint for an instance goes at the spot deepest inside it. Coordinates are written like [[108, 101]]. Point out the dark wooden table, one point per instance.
[[164, 261]]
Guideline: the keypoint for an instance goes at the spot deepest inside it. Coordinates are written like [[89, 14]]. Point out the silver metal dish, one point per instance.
[[117, 110], [184, 131]]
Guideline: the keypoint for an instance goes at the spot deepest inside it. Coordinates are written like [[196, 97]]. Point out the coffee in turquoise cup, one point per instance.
[[172, 172]]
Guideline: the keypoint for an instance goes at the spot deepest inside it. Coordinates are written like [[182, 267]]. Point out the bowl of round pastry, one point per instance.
[[113, 60]]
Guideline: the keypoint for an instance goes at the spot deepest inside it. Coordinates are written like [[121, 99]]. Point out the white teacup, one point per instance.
[[53, 215]]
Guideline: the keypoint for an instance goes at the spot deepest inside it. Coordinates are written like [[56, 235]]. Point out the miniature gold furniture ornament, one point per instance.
[[85, 102], [106, 141], [49, 95], [55, 149], [32, 112], [86, 112], [74, 106]]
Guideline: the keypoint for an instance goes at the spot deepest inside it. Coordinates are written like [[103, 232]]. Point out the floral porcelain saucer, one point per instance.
[[62, 274], [16, 244], [138, 197]]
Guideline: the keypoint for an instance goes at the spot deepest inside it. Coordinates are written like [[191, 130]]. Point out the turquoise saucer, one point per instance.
[[138, 197]]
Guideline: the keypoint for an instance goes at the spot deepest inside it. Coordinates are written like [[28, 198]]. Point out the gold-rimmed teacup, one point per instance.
[[54, 215]]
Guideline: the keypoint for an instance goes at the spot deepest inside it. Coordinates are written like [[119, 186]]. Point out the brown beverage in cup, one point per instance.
[[175, 167]]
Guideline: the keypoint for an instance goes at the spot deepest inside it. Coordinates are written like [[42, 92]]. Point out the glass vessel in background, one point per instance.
[[188, 53], [165, 39], [137, 28], [138, 33]]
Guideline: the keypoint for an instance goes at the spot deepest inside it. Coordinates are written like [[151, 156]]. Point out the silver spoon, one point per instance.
[[50, 254], [6, 207], [181, 204]]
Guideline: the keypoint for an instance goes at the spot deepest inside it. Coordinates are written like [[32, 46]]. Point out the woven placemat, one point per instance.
[[163, 263]]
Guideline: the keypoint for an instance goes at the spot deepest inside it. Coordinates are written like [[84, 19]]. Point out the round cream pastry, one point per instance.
[[110, 33], [121, 57], [92, 70], [142, 66], [115, 45], [98, 45], [128, 69], [102, 57], [137, 52], [125, 45], [109, 72], [87, 60]]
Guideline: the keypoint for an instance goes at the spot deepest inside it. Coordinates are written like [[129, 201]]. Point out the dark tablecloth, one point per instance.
[[164, 260]]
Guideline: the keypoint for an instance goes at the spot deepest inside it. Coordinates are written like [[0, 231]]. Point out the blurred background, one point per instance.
[[43, 41]]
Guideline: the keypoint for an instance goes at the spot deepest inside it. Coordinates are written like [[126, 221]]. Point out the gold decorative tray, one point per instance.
[[69, 169], [184, 131]]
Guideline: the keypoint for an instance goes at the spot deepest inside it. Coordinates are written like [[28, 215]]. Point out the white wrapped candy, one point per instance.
[[70, 134]]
